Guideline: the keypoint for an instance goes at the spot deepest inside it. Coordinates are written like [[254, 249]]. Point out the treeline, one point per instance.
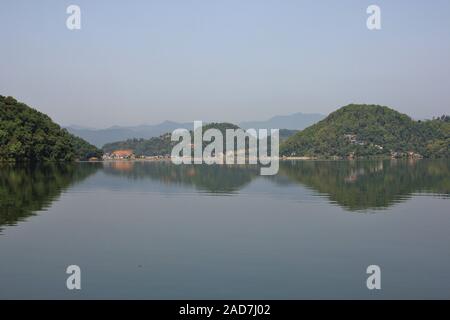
[[354, 130], [149, 147], [161, 145], [370, 130], [29, 135]]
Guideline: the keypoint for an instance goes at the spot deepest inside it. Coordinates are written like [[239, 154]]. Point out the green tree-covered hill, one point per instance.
[[29, 135], [161, 145], [370, 130]]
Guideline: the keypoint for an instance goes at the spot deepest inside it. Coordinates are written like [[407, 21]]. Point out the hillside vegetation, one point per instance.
[[161, 145], [29, 135], [368, 130]]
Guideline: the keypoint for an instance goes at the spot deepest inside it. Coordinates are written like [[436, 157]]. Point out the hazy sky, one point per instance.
[[137, 62]]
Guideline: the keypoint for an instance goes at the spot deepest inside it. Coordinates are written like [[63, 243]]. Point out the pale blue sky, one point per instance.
[[137, 62]]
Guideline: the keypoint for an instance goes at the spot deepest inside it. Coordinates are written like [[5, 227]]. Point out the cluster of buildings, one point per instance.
[[353, 139], [409, 154], [119, 155], [129, 155]]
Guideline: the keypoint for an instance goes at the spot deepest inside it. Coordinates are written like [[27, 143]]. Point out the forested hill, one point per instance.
[[29, 135], [370, 130], [161, 145]]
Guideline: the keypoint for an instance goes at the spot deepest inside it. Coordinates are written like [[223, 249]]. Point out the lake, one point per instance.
[[153, 230]]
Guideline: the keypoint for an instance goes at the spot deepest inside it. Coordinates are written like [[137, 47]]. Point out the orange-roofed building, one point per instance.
[[122, 154]]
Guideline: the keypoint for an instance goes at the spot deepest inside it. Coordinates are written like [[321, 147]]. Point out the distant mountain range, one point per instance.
[[296, 121], [100, 137]]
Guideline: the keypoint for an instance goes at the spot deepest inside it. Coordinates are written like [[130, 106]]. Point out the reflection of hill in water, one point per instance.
[[361, 185], [210, 178], [354, 185], [25, 189]]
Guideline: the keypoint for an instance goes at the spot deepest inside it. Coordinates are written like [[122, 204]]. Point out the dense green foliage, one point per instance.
[[29, 135], [161, 145], [286, 133], [84, 150], [370, 130], [143, 147]]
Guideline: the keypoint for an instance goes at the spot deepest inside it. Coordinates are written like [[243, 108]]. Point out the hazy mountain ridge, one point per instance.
[[351, 131], [296, 121], [100, 137], [161, 145]]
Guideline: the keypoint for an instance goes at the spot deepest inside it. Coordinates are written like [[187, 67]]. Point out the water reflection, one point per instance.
[[152, 230], [210, 178], [26, 189], [363, 185], [353, 185]]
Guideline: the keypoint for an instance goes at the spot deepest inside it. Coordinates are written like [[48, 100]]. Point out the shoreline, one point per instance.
[[279, 159]]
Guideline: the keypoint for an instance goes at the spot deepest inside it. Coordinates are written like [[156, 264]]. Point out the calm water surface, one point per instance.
[[156, 231]]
